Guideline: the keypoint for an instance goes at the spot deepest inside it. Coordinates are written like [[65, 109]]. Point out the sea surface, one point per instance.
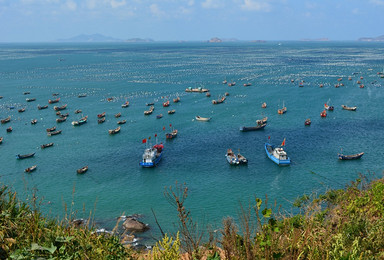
[[116, 185]]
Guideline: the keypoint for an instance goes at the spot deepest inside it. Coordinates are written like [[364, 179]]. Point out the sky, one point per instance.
[[191, 20]]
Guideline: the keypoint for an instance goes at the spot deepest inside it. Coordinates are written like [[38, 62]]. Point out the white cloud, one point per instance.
[[211, 4], [155, 10], [377, 2], [71, 5], [116, 4], [356, 11], [256, 5]]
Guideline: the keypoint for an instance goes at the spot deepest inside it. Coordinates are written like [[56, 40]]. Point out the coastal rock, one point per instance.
[[78, 222], [133, 224]]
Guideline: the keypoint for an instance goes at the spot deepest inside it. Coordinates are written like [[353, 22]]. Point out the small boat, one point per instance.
[[231, 84], [349, 108], [121, 122], [225, 82], [226, 94], [54, 132], [101, 115], [262, 121], [51, 129], [252, 128], [55, 94], [323, 113], [110, 99], [264, 105], [78, 111], [118, 115], [81, 121], [199, 118], [307, 122], [166, 104], [361, 86], [321, 85], [218, 101], [33, 121], [9, 129], [58, 113], [1, 97], [61, 119], [148, 112], [31, 169], [60, 108], [24, 156], [149, 104], [42, 107], [26, 93], [171, 135], [171, 111], [208, 94], [46, 145], [328, 107], [1, 140], [231, 157], [52, 101], [242, 159], [247, 84], [350, 157], [339, 79], [198, 90], [30, 99], [175, 100], [82, 170], [21, 110], [282, 110], [64, 115], [100, 121], [159, 116], [114, 131], [126, 104], [6, 120], [82, 95], [277, 154], [152, 156]]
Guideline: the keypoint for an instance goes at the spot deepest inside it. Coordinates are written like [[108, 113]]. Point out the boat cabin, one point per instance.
[[280, 154]]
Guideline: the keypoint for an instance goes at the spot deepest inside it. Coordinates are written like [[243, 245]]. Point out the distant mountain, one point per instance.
[[90, 38], [370, 39]]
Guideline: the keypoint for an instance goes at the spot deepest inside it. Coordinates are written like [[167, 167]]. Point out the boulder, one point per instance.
[[133, 224]]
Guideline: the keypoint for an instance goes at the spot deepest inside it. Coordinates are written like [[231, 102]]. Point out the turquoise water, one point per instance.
[[116, 185]]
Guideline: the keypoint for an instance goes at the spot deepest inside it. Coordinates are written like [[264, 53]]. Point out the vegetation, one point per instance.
[[340, 224]]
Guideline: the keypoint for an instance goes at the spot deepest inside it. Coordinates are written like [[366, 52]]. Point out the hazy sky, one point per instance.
[[162, 20]]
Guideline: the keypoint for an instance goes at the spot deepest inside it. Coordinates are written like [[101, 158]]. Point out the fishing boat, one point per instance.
[[171, 111], [198, 90], [55, 94], [171, 135], [199, 118], [1, 97], [33, 121], [100, 121], [226, 94], [78, 111], [82, 95], [176, 100], [1, 140], [159, 116], [350, 157], [264, 120], [64, 115], [218, 101], [277, 154], [252, 128], [21, 110], [42, 107], [328, 107], [264, 105], [101, 115], [247, 84], [54, 132], [307, 122], [323, 113], [81, 121], [110, 99], [148, 112], [52, 101], [149, 104], [241, 159], [58, 113], [9, 129], [51, 129], [61, 119], [82, 170], [26, 93], [6, 120], [24, 156], [121, 122], [126, 104], [349, 108], [118, 115], [152, 156], [231, 84], [114, 131], [208, 94], [31, 169], [166, 103], [30, 99], [60, 108], [231, 157], [43, 146], [225, 82], [282, 110]]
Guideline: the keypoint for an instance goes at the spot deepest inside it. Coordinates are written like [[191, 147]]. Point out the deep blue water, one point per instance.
[[142, 73]]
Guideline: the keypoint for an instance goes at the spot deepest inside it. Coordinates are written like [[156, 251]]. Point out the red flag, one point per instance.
[[283, 143], [155, 135], [144, 141], [163, 127], [170, 125], [269, 137]]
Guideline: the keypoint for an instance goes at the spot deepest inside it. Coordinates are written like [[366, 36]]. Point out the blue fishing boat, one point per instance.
[[82, 121], [152, 156], [277, 154], [231, 157]]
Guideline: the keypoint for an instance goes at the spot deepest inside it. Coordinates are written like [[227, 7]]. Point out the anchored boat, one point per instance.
[[152, 156], [277, 154]]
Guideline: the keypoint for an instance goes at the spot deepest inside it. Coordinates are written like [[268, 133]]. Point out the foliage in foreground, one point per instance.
[[341, 224]]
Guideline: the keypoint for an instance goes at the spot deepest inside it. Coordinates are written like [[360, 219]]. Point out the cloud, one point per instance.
[[212, 4], [71, 5], [116, 4], [256, 5], [155, 10], [377, 2]]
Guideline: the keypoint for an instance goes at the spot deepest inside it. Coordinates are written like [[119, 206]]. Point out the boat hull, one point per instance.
[[252, 128], [268, 149], [350, 157], [152, 163]]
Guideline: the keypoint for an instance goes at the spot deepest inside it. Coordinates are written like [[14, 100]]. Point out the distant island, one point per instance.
[[372, 39], [100, 38], [216, 39], [315, 40]]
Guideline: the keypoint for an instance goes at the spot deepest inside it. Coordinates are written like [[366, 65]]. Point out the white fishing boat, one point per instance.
[[277, 154], [231, 157], [199, 118]]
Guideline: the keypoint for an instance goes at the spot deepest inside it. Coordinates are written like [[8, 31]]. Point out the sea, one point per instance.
[[115, 184]]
